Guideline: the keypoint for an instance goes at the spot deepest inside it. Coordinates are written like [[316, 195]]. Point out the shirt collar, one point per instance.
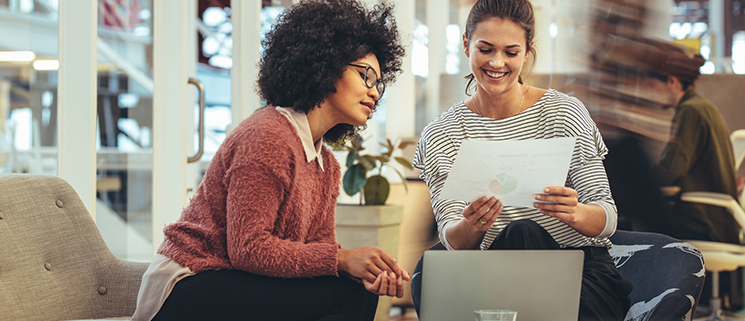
[[300, 122], [689, 93]]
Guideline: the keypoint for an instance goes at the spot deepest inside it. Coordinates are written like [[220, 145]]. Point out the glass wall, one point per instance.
[[124, 211], [28, 86], [125, 125]]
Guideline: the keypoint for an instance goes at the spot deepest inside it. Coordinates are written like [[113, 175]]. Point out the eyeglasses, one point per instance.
[[371, 79]]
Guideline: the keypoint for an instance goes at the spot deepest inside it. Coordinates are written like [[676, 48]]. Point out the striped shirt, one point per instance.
[[554, 115]]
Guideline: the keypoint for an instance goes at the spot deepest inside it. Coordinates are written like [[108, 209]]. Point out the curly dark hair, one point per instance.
[[308, 50]]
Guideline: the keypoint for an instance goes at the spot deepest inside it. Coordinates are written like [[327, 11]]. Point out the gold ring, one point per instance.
[[482, 222]]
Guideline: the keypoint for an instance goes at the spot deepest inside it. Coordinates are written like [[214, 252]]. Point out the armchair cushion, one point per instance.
[[54, 264]]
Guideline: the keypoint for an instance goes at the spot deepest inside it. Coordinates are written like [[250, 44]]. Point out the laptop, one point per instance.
[[539, 284]]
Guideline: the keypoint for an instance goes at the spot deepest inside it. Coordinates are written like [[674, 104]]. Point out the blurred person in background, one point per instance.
[[699, 157], [638, 90], [634, 125]]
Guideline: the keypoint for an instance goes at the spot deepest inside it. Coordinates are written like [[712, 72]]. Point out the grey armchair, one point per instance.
[[54, 264]]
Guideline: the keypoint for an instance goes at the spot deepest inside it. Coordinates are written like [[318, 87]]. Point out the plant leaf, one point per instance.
[[403, 179], [351, 157], [354, 179], [376, 190], [367, 161], [405, 162], [382, 159], [403, 144]]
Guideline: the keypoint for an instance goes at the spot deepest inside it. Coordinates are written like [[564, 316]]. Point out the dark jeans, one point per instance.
[[605, 293], [238, 295]]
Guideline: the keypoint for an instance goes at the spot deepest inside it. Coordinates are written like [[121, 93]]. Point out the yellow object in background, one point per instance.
[[692, 46]]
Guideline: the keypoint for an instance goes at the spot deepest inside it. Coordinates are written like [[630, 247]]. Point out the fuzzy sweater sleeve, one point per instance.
[[258, 241]]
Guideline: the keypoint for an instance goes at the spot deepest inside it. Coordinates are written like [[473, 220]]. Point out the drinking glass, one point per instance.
[[495, 315]]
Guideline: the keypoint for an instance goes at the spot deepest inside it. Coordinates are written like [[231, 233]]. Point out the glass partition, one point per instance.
[[125, 126], [28, 86]]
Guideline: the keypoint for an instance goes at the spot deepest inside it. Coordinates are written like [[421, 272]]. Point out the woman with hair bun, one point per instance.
[[257, 241], [498, 42]]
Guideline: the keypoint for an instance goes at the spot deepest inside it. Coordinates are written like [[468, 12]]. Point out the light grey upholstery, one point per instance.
[[54, 264]]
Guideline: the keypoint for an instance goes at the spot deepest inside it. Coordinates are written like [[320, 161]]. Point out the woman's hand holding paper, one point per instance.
[[482, 213], [561, 202]]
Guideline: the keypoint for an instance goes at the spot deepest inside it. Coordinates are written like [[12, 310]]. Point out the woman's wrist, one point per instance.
[[464, 236], [589, 220], [341, 260]]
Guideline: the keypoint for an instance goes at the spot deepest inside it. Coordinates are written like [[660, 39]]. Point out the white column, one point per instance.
[[169, 112], [374, 133], [400, 100], [716, 26], [543, 11], [246, 44], [76, 102], [4, 103], [438, 17], [6, 157], [193, 169]]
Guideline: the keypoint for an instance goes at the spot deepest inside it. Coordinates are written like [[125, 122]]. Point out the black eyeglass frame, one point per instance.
[[379, 85]]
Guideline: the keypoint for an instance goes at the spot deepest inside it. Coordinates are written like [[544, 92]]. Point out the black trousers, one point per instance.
[[238, 295], [605, 293]]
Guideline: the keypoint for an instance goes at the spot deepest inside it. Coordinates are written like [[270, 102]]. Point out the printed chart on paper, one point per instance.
[[513, 171]]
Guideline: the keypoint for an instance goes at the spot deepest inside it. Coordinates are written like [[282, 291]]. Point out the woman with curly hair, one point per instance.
[[257, 241]]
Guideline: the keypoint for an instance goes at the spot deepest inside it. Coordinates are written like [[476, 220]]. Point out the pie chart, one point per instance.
[[503, 184]]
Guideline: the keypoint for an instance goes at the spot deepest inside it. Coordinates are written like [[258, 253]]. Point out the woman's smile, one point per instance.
[[494, 74]]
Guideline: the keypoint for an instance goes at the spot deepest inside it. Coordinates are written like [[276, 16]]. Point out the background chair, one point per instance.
[[54, 264], [668, 275], [722, 256], [738, 147]]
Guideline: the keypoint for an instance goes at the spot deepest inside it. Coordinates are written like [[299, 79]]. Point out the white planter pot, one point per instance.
[[378, 225]]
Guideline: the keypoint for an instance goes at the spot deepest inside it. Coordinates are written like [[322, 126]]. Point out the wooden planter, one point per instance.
[[379, 225]]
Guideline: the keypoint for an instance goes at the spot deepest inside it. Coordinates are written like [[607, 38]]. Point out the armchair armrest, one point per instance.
[[717, 246], [717, 199]]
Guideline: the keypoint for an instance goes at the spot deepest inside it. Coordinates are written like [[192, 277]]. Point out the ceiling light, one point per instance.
[[46, 64], [17, 55]]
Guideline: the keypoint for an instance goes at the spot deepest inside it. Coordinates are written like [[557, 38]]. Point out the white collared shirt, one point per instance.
[[300, 122]]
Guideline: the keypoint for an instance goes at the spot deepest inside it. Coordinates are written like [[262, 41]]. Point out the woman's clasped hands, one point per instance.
[[378, 270]]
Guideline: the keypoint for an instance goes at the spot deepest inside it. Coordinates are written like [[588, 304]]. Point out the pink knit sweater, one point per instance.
[[262, 207]]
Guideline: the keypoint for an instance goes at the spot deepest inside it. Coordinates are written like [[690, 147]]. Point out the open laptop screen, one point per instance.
[[539, 284]]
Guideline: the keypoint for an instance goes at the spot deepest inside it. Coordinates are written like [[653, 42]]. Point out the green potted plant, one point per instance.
[[375, 188]]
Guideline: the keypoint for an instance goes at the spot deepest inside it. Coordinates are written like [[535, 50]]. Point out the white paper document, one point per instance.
[[513, 171]]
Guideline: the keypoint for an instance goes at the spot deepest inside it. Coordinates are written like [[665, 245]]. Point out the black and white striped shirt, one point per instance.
[[554, 115]]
